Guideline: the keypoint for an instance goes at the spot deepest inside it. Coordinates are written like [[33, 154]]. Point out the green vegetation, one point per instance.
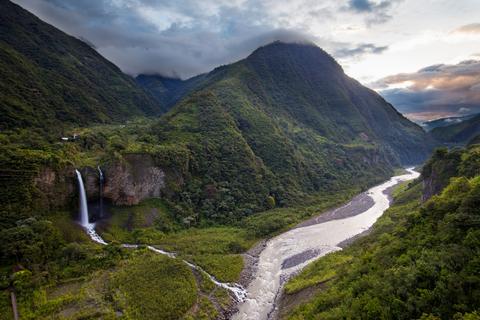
[[320, 271], [420, 261], [147, 288]]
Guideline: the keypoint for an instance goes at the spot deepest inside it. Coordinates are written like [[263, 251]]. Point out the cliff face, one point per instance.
[[135, 179], [126, 182], [436, 173], [57, 188], [432, 185]]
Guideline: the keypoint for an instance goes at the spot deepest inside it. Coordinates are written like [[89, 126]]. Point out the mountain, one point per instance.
[[50, 80], [443, 122], [285, 122], [461, 132], [305, 85]]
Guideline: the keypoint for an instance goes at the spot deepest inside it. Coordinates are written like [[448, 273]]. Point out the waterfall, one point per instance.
[[83, 201], [101, 180]]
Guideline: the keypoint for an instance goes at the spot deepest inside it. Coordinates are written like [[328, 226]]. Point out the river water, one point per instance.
[[289, 252]]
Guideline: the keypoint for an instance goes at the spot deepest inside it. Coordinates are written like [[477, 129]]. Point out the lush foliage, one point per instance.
[[421, 260]]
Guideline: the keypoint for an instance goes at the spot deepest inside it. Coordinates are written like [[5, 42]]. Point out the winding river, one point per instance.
[[289, 252]]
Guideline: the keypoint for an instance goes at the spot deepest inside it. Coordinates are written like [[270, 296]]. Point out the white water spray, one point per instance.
[[83, 201], [84, 220]]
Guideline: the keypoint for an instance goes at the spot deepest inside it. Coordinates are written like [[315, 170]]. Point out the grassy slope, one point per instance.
[[421, 259]]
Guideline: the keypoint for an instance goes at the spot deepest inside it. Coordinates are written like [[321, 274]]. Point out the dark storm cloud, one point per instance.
[[359, 50], [443, 89]]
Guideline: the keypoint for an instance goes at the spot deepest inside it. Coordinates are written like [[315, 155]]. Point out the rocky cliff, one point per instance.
[[437, 171], [126, 182]]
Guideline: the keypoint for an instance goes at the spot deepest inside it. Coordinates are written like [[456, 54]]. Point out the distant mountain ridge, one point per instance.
[[461, 132], [50, 80], [168, 91], [443, 122]]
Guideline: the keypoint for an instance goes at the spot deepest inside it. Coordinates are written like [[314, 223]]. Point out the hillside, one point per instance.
[[50, 80], [461, 132], [419, 262]]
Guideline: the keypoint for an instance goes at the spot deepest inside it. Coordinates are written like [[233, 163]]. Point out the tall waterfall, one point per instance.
[[83, 201], [100, 188]]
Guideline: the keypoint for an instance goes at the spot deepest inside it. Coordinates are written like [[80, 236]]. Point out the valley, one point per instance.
[[270, 187]]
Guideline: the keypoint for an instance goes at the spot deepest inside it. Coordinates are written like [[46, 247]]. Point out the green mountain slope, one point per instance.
[[50, 80], [304, 86], [421, 260], [458, 133], [286, 122]]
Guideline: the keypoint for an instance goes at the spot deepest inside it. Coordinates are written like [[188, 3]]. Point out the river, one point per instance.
[[287, 253]]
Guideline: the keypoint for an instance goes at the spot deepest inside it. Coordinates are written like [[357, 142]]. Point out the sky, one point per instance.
[[422, 56]]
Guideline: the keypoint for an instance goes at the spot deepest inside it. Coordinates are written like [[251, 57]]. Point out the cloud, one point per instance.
[[360, 50], [367, 5], [175, 38], [469, 28], [441, 88], [377, 12], [464, 110], [189, 37]]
